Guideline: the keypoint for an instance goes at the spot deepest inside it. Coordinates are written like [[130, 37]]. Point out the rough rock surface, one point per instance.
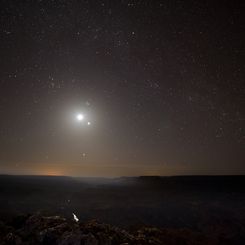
[[37, 229]]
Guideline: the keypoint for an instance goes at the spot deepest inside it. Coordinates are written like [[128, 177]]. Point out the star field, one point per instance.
[[161, 82]]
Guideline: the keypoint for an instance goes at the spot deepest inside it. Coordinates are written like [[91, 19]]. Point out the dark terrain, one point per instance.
[[193, 209]]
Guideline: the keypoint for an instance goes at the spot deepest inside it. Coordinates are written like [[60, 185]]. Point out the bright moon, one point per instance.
[[80, 117]]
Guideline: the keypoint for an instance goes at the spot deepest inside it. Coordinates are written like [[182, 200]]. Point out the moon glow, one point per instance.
[[80, 117]]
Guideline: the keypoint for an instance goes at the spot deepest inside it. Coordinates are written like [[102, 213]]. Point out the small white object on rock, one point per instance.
[[75, 217]]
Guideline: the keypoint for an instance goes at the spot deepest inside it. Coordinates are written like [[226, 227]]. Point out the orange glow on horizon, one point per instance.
[[50, 172]]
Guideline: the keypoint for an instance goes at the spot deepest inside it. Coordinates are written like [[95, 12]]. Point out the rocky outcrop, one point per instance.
[[37, 229]]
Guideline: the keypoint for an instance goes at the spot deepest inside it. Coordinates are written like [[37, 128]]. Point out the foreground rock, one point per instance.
[[37, 229]]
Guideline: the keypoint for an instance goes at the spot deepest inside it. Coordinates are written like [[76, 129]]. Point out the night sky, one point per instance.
[[159, 84]]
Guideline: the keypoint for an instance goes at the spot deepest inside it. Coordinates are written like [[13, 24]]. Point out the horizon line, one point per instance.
[[123, 176]]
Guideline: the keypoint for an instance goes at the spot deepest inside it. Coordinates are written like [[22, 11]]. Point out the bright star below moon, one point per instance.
[[80, 117]]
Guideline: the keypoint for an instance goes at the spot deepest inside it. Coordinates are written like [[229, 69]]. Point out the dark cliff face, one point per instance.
[[37, 229]]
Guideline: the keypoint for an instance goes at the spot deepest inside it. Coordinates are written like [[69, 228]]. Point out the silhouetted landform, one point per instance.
[[36, 229], [210, 207]]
